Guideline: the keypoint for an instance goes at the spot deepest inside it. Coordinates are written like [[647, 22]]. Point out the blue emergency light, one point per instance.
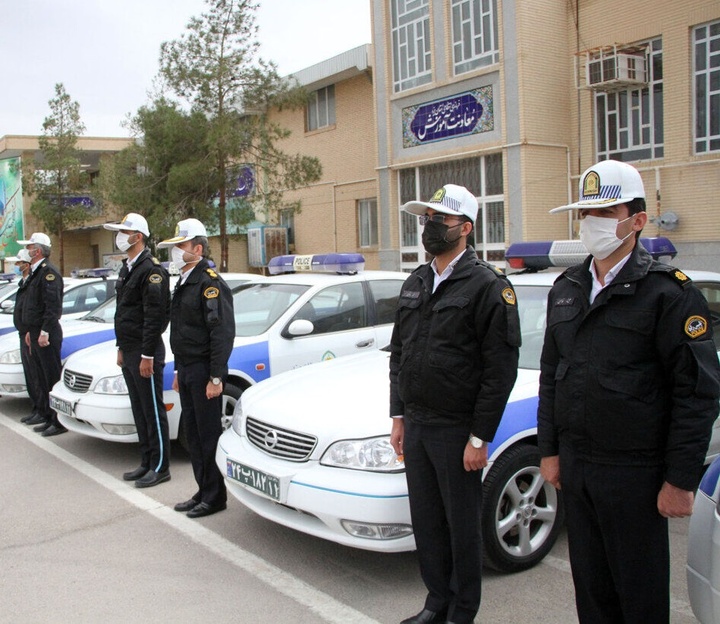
[[339, 263], [538, 255], [7, 277], [97, 272]]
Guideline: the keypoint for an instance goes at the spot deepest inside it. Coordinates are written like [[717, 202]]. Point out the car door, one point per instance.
[[711, 290], [341, 325]]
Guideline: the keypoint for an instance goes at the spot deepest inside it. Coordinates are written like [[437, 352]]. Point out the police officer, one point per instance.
[[202, 329], [22, 270], [629, 389], [141, 316], [40, 321], [453, 363]]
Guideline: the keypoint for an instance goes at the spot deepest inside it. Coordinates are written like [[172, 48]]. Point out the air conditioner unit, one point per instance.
[[615, 69]]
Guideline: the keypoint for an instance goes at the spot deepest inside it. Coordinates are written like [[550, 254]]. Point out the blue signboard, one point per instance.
[[460, 115]]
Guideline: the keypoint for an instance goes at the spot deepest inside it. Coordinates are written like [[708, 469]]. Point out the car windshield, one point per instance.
[[258, 306], [104, 313], [532, 307]]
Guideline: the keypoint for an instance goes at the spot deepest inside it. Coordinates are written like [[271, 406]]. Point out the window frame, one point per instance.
[[412, 62], [320, 109], [467, 18], [367, 220], [710, 143]]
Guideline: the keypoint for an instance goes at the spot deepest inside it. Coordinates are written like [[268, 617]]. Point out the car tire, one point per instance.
[[231, 394], [522, 513]]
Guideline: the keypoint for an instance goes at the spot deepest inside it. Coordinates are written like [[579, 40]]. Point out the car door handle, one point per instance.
[[365, 343]]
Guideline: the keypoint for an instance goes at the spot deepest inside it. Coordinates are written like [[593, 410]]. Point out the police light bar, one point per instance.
[[545, 254], [340, 263], [98, 272], [7, 277]]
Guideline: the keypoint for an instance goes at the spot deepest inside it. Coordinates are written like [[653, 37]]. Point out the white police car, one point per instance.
[[310, 449], [312, 308]]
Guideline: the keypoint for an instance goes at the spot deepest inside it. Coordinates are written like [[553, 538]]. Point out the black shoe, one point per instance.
[[203, 509], [427, 617], [29, 417], [134, 475], [53, 430], [186, 506], [152, 478], [36, 419], [43, 426]]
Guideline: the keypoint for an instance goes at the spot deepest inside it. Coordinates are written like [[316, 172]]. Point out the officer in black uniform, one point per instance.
[[453, 363], [22, 268], [40, 320], [202, 329], [629, 389], [141, 316]]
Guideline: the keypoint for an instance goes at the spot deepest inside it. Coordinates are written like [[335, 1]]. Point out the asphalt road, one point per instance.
[[78, 544]]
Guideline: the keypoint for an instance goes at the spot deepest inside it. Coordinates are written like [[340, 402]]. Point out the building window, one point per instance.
[[287, 219], [482, 176], [321, 108], [706, 42], [412, 62], [630, 122], [367, 222], [474, 29]]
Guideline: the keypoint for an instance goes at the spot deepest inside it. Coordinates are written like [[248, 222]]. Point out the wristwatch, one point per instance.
[[476, 442], [216, 381]]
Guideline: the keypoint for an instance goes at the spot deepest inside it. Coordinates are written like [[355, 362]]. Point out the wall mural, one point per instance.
[[11, 207]]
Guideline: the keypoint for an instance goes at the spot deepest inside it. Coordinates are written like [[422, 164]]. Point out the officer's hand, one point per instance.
[[175, 385], [120, 358], [27, 339], [475, 458], [550, 470], [673, 502], [397, 436], [146, 367], [43, 340], [212, 391]]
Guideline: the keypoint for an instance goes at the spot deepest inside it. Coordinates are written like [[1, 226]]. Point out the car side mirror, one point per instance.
[[299, 327], [7, 306]]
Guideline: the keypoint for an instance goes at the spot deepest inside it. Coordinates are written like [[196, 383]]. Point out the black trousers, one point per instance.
[[445, 506], [31, 381], [44, 369], [619, 549], [201, 419], [149, 413]]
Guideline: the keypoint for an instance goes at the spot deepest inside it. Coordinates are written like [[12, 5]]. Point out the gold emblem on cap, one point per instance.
[[211, 293], [591, 184], [509, 295], [439, 194], [696, 326], [681, 276]]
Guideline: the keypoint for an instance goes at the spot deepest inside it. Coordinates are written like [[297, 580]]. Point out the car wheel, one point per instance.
[[231, 395], [522, 513]]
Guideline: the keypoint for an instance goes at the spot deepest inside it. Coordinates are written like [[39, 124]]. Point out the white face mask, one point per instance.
[[599, 235], [178, 257], [122, 241]]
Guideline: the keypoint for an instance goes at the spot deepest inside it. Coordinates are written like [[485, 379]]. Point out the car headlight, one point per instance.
[[11, 357], [237, 417], [111, 385], [374, 454]]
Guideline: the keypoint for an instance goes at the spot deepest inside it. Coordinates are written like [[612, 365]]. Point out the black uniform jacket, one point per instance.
[[143, 305], [202, 327], [42, 299], [17, 309], [454, 353], [632, 379]]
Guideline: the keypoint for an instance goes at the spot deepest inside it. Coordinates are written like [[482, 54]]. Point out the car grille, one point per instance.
[[283, 443], [77, 382]]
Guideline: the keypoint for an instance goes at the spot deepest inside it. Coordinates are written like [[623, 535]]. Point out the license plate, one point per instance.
[[260, 481], [60, 405]]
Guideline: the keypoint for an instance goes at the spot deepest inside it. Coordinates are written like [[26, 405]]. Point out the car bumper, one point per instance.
[[703, 567], [12, 380], [317, 499]]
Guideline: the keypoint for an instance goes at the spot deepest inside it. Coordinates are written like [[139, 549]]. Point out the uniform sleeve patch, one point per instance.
[[50, 277], [211, 293], [696, 326], [155, 279], [211, 273], [508, 294]]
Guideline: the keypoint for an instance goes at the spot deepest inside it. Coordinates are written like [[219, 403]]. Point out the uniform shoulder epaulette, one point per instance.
[[211, 273], [673, 273], [155, 260]]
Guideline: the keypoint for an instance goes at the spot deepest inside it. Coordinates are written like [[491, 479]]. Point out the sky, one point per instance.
[[106, 52]]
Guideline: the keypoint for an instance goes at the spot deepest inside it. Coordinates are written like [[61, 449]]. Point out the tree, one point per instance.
[[215, 66], [57, 180]]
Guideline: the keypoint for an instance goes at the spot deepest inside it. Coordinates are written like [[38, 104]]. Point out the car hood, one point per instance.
[[347, 396], [100, 360]]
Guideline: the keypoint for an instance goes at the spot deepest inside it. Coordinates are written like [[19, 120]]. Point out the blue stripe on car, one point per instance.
[[71, 344]]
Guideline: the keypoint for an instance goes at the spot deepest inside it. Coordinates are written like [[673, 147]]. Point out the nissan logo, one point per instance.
[[271, 439], [71, 380]]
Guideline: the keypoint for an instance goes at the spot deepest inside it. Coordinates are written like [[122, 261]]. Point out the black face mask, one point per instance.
[[434, 238]]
